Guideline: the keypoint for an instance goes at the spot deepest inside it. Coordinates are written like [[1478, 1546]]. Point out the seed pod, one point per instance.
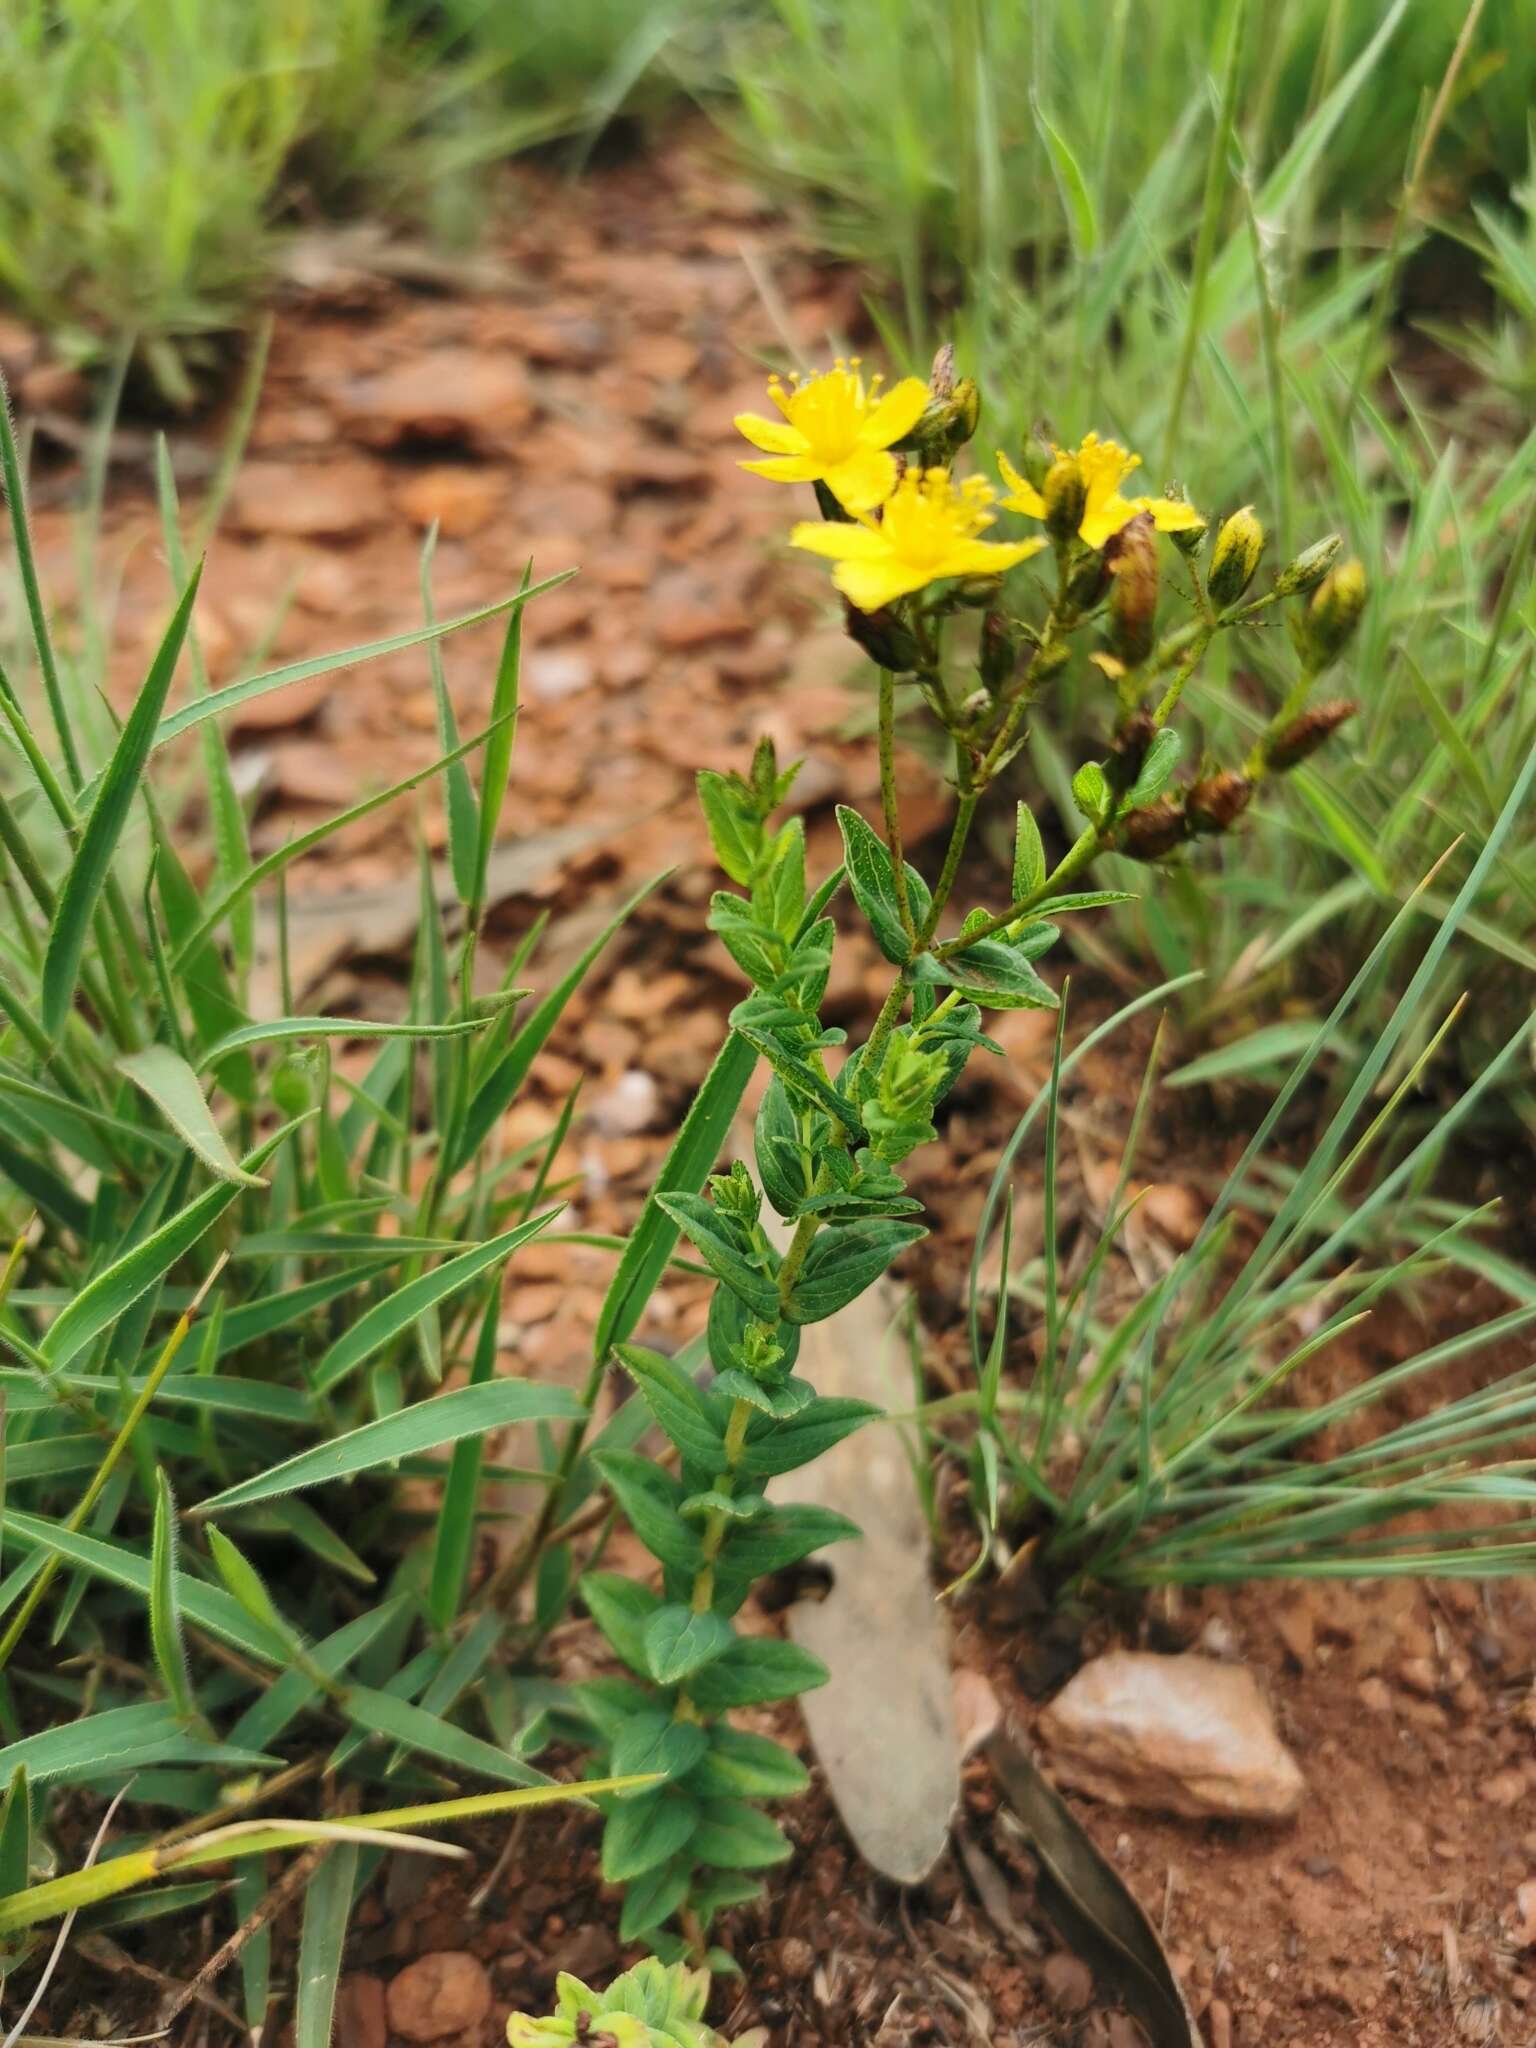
[[998, 655], [1065, 492], [1309, 567], [1333, 615], [883, 638], [1154, 830], [1304, 735], [1132, 557], [1128, 750], [1235, 557], [1216, 802]]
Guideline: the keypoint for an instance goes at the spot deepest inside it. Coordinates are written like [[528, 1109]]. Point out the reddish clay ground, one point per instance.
[[578, 412]]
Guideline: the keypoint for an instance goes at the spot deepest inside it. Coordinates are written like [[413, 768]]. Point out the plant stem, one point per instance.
[[799, 1245], [888, 802], [1083, 850]]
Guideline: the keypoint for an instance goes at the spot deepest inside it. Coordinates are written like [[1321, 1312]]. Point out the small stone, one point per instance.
[[1420, 1675], [454, 496], [360, 2021], [797, 1958], [1176, 1734], [1218, 2020], [1375, 1695], [441, 394], [1296, 1626], [1525, 1907], [553, 673], [1503, 1788], [444, 1993], [1318, 1866], [1067, 1982], [1488, 1650], [310, 501], [625, 1109]]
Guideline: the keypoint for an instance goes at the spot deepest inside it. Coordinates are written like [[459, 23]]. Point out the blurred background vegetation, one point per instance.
[[1291, 253]]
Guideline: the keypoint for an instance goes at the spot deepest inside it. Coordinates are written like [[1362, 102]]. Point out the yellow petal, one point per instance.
[[1025, 498], [864, 481], [988, 557], [1105, 518], [785, 469], [774, 437], [870, 584], [841, 542], [1169, 515], [895, 415]]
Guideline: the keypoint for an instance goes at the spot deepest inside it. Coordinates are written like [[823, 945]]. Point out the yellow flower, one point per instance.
[[927, 529], [1105, 466], [836, 432]]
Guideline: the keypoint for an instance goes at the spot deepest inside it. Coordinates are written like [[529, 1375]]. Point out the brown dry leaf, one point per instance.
[[1088, 1901]]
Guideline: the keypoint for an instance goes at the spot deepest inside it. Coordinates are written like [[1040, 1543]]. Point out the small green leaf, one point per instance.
[[749, 1767], [653, 1898], [872, 878], [718, 1239], [680, 1409], [650, 1499], [679, 1642], [1162, 758], [735, 832], [754, 1670], [843, 1260], [171, 1085], [164, 1608], [621, 1608], [643, 1832], [734, 1836], [1090, 792], [656, 1742], [1028, 855]]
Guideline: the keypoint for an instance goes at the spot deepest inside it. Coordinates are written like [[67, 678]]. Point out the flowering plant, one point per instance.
[[905, 540]]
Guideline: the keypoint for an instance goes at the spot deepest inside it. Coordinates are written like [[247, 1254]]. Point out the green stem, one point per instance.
[[888, 802], [1168, 702], [1085, 849], [794, 1258]]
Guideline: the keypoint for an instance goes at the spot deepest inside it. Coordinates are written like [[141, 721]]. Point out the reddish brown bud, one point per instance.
[[998, 654], [883, 638], [1306, 734], [1216, 802], [1132, 557], [1128, 750], [1154, 830]]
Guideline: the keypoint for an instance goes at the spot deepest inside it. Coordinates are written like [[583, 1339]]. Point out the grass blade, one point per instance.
[[109, 813], [169, 1082]]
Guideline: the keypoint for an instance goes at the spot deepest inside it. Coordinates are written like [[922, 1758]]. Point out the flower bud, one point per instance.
[[1065, 492], [1086, 584], [1309, 567], [953, 410], [998, 655], [883, 638], [290, 1087], [1189, 540], [1304, 735], [1132, 557], [1128, 750], [1152, 831], [1216, 802], [1333, 615], [1235, 557], [978, 592]]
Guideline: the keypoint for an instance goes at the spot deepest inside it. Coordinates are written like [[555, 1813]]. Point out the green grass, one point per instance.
[[243, 1255], [1175, 1439]]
